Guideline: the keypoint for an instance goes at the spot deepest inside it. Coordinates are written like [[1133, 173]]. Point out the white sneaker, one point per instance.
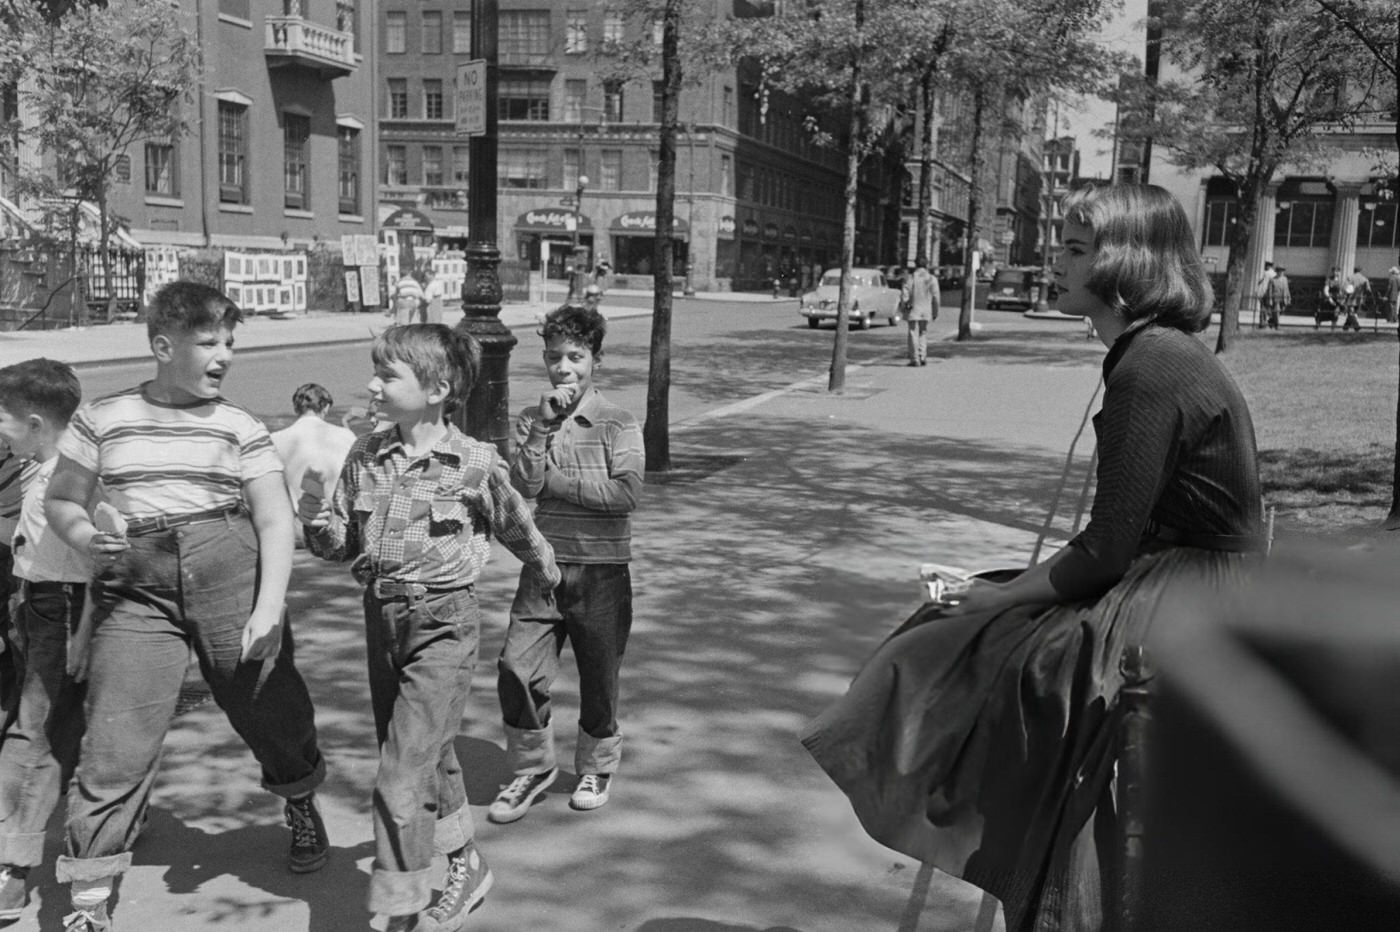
[[514, 801], [591, 792]]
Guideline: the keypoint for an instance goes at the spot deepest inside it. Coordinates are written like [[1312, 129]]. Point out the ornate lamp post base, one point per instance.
[[486, 415]]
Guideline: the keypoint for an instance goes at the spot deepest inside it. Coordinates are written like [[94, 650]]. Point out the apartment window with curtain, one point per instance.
[[296, 160], [571, 168], [523, 33], [612, 101], [575, 93], [432, 166], [161, 164], [523, 99], [522, 168], [233, 153], [348, 139], [432, 99], [396, 165], [612, 27], [575, 31], [395, 32], [610, 170], [461, 166], [398, 98], [432, 32], [462, 33]]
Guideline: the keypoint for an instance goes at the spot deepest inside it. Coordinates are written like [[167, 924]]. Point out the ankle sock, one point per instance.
[[90, 893]]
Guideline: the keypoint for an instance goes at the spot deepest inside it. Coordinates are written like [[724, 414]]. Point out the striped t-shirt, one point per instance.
[[586, 475], [155, 458]]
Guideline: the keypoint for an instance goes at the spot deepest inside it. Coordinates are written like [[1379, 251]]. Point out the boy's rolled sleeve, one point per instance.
[[513, 526], [528, 467]]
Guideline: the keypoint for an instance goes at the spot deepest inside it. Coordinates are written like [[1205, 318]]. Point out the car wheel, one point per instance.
[[865, 323], [812, 323]]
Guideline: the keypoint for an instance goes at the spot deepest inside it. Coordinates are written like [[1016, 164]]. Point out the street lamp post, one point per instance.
[[576, 278], [689, 289], [1052, 155], [486, 414]]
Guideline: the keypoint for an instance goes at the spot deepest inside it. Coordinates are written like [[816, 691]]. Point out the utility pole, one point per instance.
[[1052, 154], [689, 289], [486, 415]]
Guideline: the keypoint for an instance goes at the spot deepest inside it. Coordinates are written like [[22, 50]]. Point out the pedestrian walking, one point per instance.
[[918, 303], [416, 508], [37, 757], [432, 296], [979, 737], [1261, 291], [580, 457], [1392, 292], [203, 564], [1277, 297], [1329, 300], [407, 302], [311, 444], [1356, 289]]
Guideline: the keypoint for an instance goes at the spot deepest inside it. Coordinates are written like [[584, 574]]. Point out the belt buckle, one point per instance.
[[393, 589]]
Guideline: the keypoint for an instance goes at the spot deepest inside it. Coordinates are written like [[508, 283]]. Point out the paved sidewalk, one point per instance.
[[779, 551]]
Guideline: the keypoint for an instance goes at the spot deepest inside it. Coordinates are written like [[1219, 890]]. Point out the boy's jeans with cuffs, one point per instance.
[[192, 586], [41, 748], [421, 652], [592, 608]]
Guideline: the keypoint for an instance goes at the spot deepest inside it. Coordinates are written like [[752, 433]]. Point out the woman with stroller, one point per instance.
[[980, 736]]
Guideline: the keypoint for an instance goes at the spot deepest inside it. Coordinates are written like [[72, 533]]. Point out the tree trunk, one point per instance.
[[104, 247], [1392, 521], [836, 381], [656, 430], [974, 210], [926, 165], [1241, 239]]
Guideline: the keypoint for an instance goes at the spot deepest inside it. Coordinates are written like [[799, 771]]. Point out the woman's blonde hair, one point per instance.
[[1145, 263]]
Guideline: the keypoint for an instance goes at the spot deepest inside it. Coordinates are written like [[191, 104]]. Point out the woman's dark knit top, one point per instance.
[[1176, 447]]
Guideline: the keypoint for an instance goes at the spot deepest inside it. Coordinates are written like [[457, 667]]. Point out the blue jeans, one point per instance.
[[592, 609], [41, 748], [192, 586], [421, 653]]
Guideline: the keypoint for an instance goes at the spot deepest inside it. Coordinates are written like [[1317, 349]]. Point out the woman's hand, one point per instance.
[[982, 596]]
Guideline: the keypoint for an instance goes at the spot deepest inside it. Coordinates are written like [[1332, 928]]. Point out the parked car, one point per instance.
[[1015, 287], [871, 297]]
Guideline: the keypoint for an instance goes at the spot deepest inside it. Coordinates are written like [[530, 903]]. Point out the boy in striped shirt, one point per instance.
[[203, 561], [581, 458]]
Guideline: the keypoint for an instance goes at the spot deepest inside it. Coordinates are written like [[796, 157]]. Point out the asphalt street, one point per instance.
[[774, 556]]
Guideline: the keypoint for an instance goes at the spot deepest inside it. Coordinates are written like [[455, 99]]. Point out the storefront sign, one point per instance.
[[640, 222], [750, 226], [770, 231], [406, 218], [547, 219], [726, 227]]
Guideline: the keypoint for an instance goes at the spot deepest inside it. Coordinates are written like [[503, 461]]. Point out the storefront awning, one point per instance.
[[643, 223], [406, 218], [551, 220]]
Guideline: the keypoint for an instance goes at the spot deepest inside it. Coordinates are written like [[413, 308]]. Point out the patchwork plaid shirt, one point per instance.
[[427, 519]]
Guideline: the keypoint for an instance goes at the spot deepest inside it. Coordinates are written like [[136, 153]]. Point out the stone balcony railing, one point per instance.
[[296, 42]]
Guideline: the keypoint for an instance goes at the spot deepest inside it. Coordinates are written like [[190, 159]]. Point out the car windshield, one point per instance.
[[834, 279], [1012, 277]]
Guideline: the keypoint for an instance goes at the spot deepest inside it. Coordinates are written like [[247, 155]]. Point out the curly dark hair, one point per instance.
[[583, 325]]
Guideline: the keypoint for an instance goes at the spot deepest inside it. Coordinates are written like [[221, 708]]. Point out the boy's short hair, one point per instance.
[[583, 325], [311, 397], [433, 352], [184, 307], [45, 387]]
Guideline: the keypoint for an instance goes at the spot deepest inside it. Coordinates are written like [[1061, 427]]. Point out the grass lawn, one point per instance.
[[1324, 412]]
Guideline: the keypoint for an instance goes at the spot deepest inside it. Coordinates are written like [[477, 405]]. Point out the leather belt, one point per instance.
[[388, 590], [166, 522], [1229, 543], [49, 587]]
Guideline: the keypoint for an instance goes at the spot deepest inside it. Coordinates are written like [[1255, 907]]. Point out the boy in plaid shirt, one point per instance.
[[415, 508]]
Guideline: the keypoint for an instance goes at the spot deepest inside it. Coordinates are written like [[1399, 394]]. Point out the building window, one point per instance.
[[462, 33], [349, 186], [610, 165], [726, 175], [522, 168], [396, 166], [235, 8], [432, 99], [523, 33], [396, 32], [575, 92], [1303, 223], [658, 91], [461, 166], [612, 28], [432, 32], [612, 101], [575, 31], [296, 160], [398, 98], [432, 166], [1375, 228], [523, 99], [653, 169], [1220, 217], [728, 117], [161, 177], [347, 21], [233, 153], [572, 168]]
